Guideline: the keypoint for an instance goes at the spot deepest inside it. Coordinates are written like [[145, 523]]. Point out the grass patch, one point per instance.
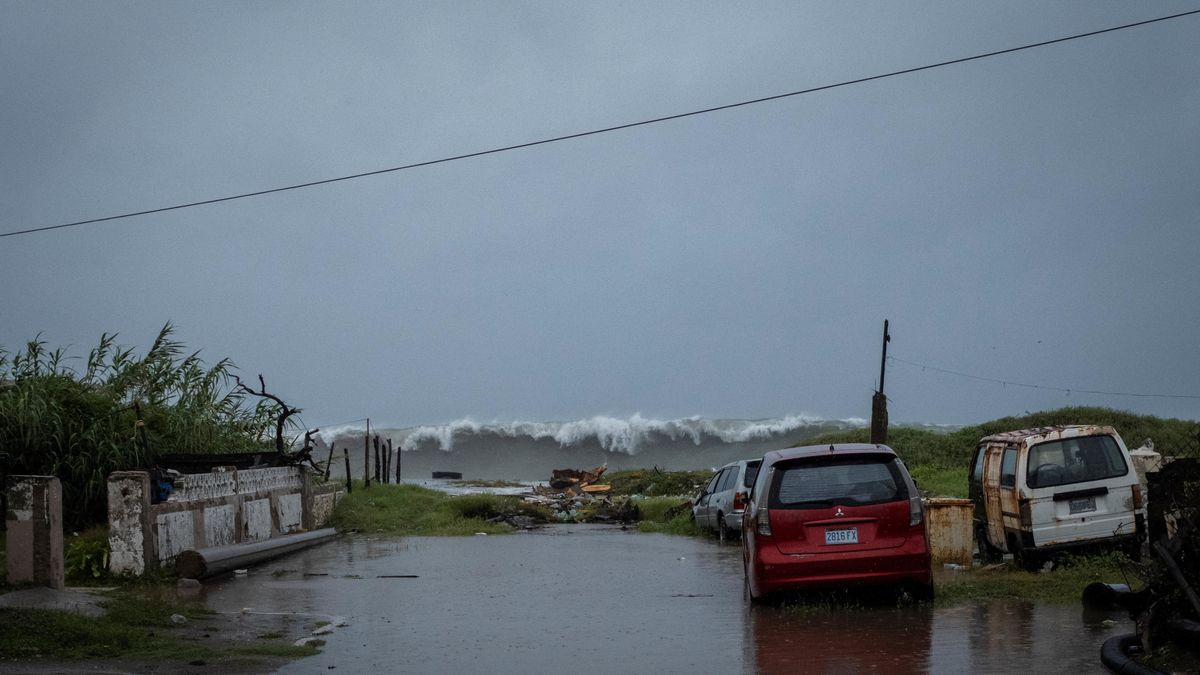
[[137, 625], [940, 481], [1064, 584], [667, 515], [655, 482], [415, 510]]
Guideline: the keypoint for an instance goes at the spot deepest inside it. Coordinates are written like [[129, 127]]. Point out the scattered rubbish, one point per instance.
[[481, 534], [681, 558], [241, 572], [954, 566], [178, 619], [574, 497]]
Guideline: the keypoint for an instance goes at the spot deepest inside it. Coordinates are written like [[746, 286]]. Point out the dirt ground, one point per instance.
[[220, 632]]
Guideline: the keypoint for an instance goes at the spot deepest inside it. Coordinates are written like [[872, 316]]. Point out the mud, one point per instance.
[[584, 599]]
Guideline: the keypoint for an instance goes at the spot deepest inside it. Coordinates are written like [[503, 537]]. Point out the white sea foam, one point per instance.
[[613, 434]]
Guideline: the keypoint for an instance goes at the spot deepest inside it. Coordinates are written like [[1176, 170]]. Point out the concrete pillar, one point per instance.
[[130, 539], [35, 537]]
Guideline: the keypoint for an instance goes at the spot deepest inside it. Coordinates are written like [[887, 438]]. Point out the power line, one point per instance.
[[593, 132], [1010, 383]]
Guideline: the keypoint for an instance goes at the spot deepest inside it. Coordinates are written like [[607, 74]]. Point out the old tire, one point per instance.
[[988, 554], [723, 533]]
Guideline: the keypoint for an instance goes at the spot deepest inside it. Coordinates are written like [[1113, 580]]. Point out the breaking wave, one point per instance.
[[610, 434]]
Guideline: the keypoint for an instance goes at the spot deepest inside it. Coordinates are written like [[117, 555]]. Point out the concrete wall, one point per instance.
[[207, 510], [33, 522]]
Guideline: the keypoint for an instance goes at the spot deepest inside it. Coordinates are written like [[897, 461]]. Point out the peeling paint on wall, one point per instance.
[[257, 515], [291, 510], [176, 534], [220, 527]]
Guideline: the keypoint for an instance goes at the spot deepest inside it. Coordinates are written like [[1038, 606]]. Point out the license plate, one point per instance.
[[1083, 504], [847, 536]]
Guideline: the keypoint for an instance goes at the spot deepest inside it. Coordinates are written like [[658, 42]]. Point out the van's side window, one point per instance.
[[977, 472], [1008, 468]]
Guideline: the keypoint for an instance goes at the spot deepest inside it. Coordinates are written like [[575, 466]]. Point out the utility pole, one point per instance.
[[879, 415]]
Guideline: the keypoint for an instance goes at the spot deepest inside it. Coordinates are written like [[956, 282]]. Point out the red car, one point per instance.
[[835, 516]]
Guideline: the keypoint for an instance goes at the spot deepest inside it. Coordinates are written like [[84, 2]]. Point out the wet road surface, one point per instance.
[[595, 599]]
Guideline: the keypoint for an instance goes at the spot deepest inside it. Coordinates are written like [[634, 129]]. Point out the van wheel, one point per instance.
[[723, 533], [1030, 561], [988, 554]]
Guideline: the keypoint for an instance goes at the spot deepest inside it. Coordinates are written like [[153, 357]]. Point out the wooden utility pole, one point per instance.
[[879, 415], [367, 455], [346, 456], [378, 464], [397, 455]]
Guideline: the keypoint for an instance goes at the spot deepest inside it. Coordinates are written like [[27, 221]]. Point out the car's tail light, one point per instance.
[[916, 511], [739, 501], [1026, 514], [1137, 496], [762, 522]]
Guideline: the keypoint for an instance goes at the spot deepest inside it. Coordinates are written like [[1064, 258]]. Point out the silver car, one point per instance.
[[719, 505]]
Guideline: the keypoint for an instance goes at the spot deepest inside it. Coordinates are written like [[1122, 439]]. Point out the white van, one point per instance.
[[1041, 490]]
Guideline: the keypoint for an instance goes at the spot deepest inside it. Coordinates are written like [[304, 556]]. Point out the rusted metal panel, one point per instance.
[[1027, 437], [991, 495], [951, 536]]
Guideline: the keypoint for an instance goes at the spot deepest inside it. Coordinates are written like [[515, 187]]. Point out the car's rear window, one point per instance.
[[849, 481], [751, 474], [1074, 460]]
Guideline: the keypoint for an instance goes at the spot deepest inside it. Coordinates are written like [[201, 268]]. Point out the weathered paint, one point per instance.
[[290, 513], [1003, 504], [128, 513], [257, 516], [34, 538], [220, 525], [951, 536], [207, 510], [176, 534]]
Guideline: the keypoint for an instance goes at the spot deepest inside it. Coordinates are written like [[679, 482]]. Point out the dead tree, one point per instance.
[[281, 418]]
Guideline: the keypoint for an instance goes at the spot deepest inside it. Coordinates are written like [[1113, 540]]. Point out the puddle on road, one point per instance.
[[583, 598]]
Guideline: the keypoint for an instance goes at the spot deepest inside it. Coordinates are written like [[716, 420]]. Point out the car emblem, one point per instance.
[[839, 512]]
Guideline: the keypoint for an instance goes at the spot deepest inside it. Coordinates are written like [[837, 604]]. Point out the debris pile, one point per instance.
[[574, 496], [1167, 608]]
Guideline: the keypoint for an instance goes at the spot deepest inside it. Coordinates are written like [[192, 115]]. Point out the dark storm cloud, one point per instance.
[[1030, 217]]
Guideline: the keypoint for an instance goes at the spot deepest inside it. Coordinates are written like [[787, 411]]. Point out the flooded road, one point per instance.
[[583, 598]]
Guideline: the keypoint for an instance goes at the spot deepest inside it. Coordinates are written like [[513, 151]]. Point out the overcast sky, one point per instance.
[[1033, 217]]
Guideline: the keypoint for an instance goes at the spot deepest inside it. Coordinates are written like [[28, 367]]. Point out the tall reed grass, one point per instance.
[[118, 411]]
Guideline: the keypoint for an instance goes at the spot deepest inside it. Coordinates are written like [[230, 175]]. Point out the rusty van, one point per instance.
[[1039, 491]]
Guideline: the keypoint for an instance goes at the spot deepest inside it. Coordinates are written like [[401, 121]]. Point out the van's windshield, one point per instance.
[[1074, 460]]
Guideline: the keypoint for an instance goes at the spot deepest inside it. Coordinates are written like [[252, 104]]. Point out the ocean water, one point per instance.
[[530, 450]]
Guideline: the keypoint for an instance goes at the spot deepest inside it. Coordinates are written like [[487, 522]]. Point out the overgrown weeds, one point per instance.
[[117, 412]]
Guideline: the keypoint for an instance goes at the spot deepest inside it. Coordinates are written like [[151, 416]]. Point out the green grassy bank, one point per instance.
[[414, 510]]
